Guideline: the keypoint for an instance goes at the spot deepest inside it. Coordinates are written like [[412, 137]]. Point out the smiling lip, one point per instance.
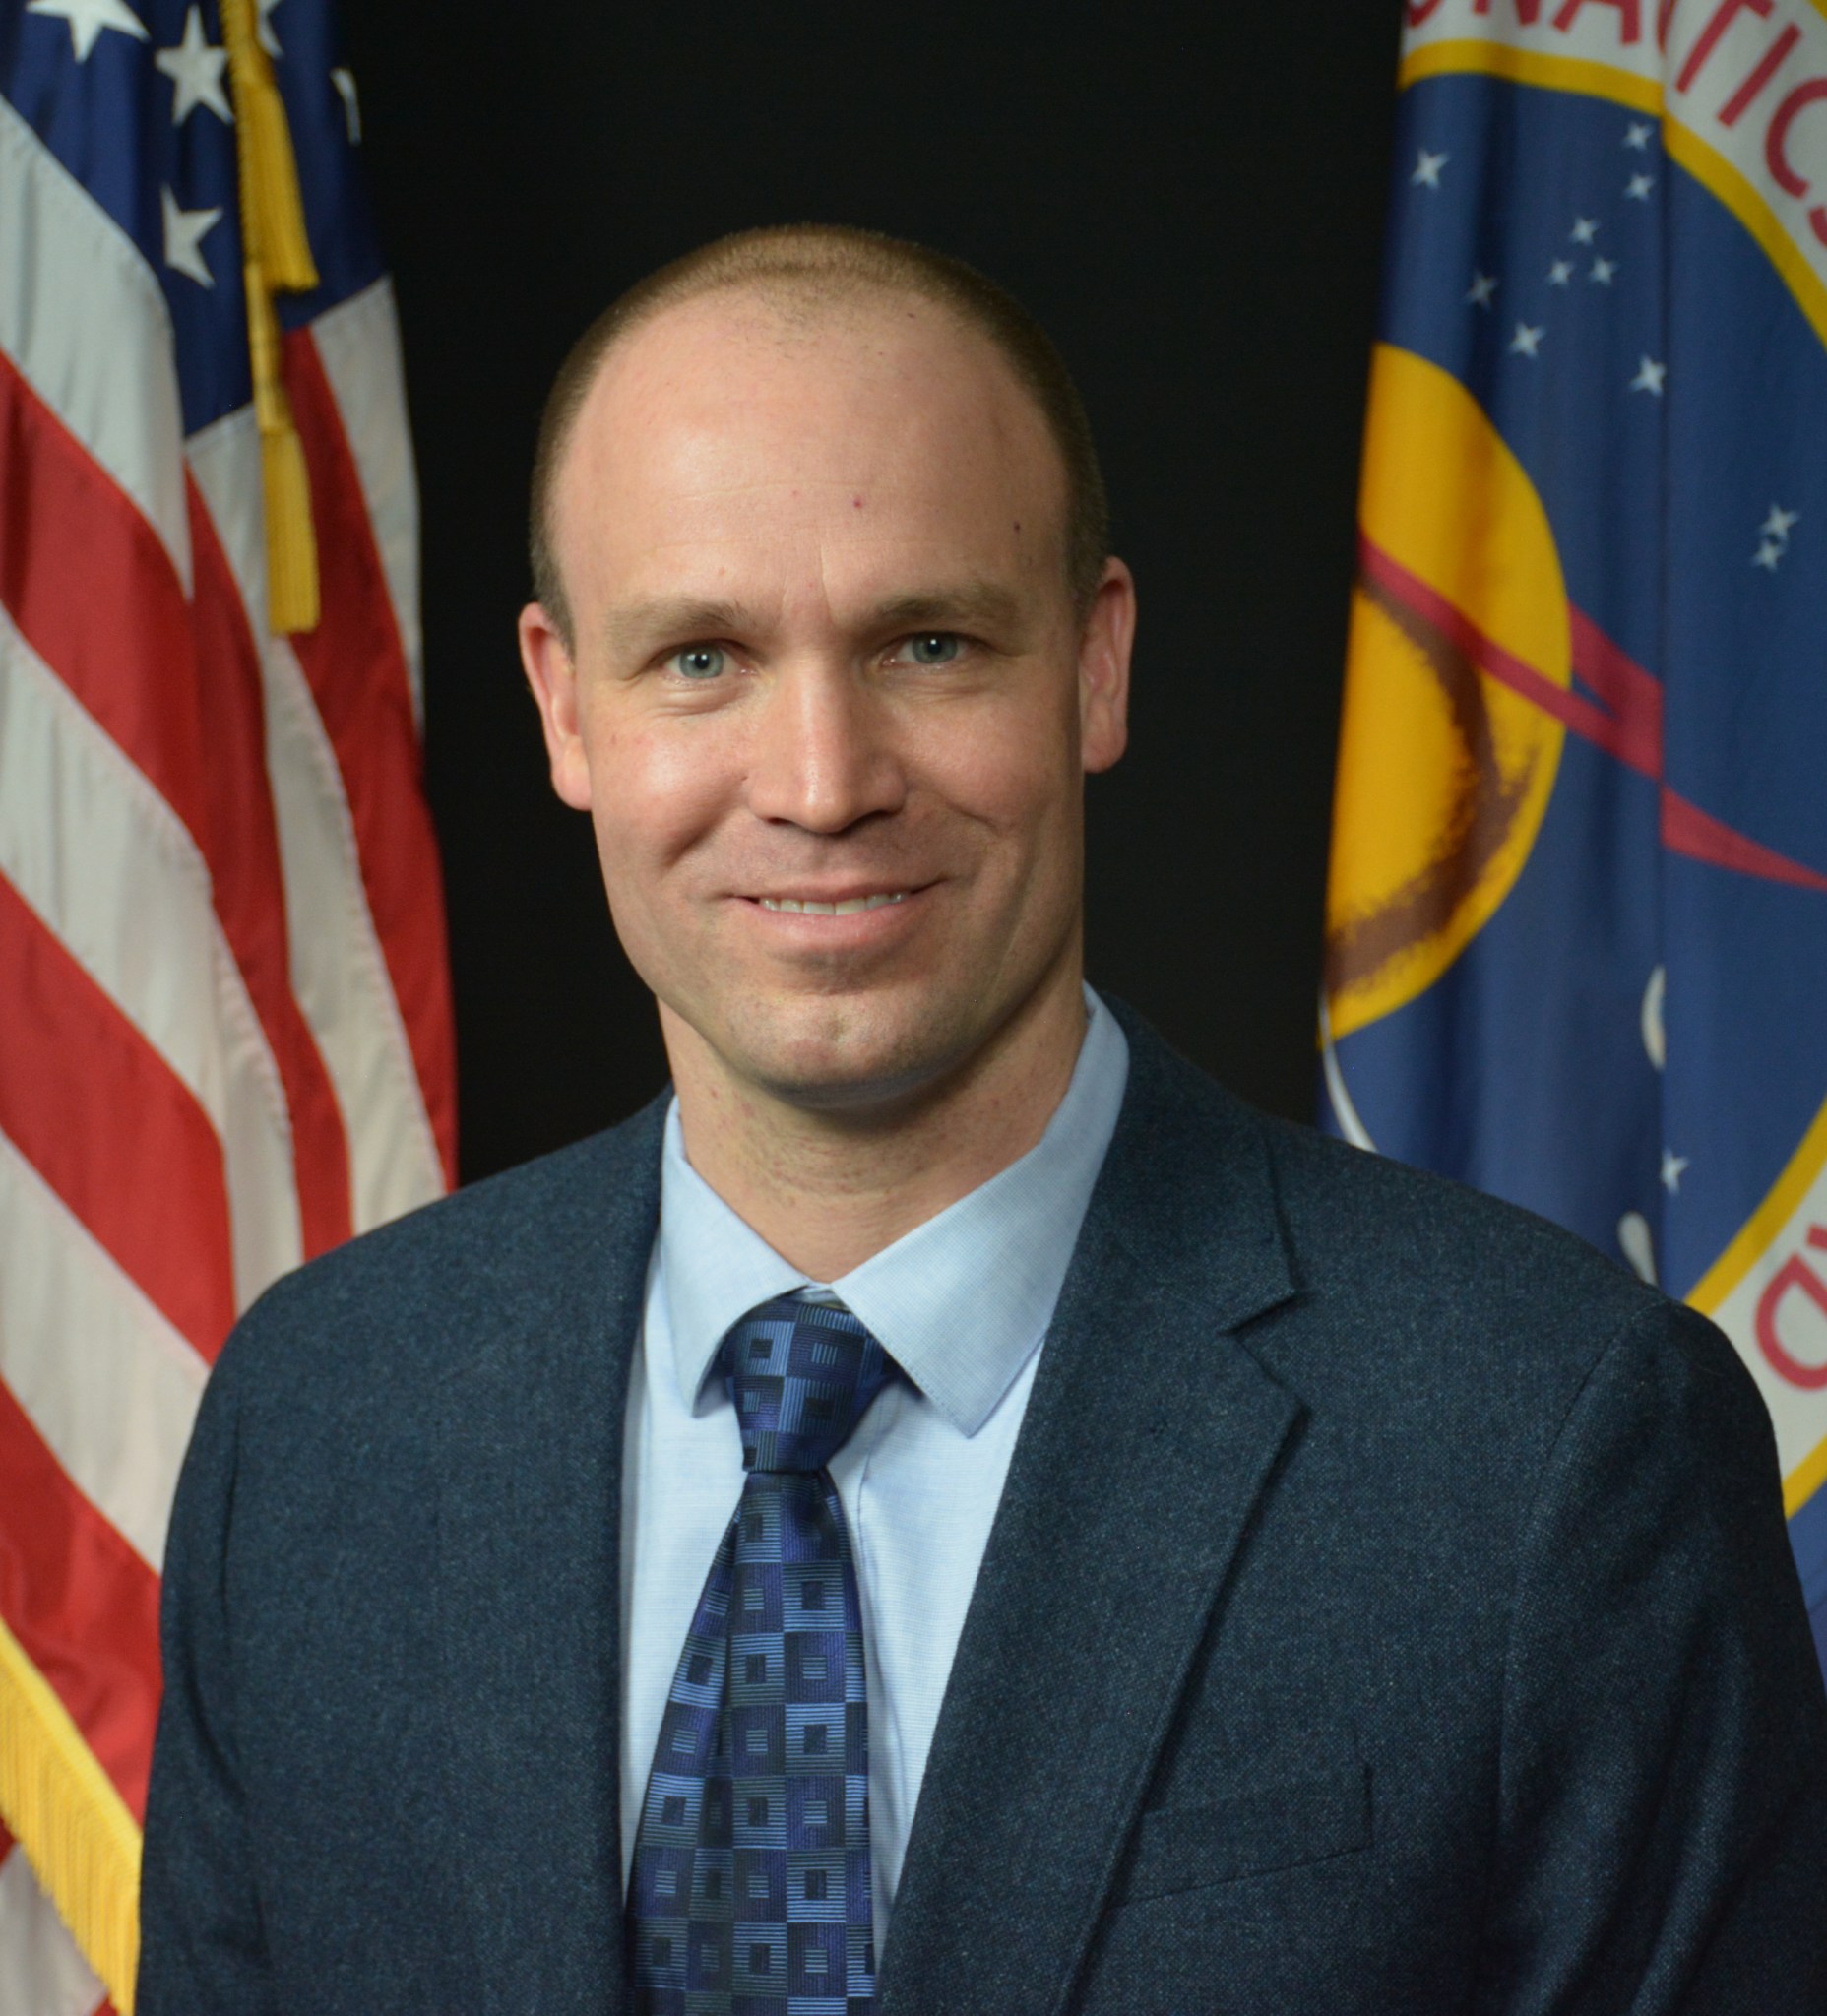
[[835, 906]]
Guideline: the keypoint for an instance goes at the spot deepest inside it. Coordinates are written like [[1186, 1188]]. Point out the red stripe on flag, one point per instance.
[[1631, 731], [1631, 696], [1687, 830], [81, 1603], [101, 1117], [95, 594], [1621, 739], [250, 890], [357, 668]]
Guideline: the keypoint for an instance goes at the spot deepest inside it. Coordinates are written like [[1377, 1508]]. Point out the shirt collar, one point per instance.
[[960, 1302]]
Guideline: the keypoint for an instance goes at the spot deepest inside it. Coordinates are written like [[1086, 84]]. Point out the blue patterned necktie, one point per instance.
[[751, 1888]]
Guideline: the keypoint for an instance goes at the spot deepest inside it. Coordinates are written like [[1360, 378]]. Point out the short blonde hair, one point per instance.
[[817, 264]]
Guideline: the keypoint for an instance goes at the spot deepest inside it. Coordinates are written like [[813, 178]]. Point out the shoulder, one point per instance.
[[1348, 1220], [402, 1304], [1369, 1227], [1402, 1294], [1464, 1293], [1475, 1382]]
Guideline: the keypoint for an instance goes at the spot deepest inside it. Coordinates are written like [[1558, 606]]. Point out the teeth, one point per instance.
[[847, 908]]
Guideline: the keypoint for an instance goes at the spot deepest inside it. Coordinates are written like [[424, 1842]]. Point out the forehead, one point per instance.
[[725, 434]]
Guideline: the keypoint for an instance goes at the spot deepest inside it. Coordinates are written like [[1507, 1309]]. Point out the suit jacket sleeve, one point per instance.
[[202, 1951], [1664, 1783]]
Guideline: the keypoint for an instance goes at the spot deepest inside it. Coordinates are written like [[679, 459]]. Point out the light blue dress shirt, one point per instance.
[[962, 1304]]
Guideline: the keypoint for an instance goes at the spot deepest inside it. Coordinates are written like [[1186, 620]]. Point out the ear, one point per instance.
[[1104, 647], [552, 675]]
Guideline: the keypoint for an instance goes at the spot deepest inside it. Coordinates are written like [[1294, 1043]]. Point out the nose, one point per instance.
[[822, 755]]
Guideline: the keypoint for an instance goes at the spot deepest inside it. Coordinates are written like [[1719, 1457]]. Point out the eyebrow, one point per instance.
[[640, 625], [627, 630], [970, 601]]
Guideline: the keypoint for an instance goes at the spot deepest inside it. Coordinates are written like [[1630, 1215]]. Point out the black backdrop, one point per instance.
[[1191, 202]]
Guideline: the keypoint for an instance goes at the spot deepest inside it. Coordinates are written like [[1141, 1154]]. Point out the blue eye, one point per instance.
[[698, 662], [936, 648]]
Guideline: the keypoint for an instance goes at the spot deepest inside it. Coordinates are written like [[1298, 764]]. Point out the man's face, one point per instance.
[[830, 704]]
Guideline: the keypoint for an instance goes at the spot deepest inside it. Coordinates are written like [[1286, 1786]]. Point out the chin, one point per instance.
[[835, 1056]]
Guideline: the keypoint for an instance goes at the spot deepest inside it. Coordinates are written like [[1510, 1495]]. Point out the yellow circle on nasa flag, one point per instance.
[[1444, 770]]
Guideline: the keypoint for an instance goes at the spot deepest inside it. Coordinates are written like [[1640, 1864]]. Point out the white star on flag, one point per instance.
[[1560, 273], [264, 28], [1766, 555], [184, 233], [1585, 231], [1603, 271], [1780, 524], [345, 81], [1640, 186], [1639, 134], [1427, 168], [197, 71], [1527, 342], [88, 18], [1673, 1165], [1650, 375], [1484, 285]]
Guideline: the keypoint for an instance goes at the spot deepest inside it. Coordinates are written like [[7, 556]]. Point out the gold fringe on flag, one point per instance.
[[277, 259], [75, 1828]]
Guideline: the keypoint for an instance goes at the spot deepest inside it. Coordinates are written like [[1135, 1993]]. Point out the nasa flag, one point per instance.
[[1576, 936]]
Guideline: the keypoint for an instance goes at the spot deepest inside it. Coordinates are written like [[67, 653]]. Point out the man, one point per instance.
[[948, 1487]]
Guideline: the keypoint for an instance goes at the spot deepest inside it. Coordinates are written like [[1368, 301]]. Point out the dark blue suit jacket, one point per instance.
[[1389, 1610]]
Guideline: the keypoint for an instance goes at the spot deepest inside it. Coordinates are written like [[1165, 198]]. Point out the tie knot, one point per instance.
[[801, 1376]]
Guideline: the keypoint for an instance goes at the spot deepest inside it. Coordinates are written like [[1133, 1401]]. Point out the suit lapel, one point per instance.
[[526, 1577], [1150, 1435]]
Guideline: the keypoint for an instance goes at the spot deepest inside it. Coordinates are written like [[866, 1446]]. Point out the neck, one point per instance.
[[829, 1189]]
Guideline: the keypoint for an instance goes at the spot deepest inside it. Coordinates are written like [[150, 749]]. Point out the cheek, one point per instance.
[[655, 793], [1015, 769]]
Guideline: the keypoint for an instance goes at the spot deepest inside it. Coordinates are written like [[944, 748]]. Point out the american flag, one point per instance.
[[224, 1018]]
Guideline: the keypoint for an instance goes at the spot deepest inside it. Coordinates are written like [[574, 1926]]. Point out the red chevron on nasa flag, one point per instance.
[[1576, 944], [222, 981]]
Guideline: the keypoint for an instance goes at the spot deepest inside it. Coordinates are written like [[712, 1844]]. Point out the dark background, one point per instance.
[[1191, 203]]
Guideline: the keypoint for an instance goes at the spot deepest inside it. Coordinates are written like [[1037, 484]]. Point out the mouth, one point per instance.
[[844, 907]]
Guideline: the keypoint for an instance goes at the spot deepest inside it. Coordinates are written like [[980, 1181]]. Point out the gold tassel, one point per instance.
[[75, 1828], [277, 259]]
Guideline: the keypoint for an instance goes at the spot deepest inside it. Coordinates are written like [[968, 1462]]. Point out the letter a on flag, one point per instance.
[[1576, 934]]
